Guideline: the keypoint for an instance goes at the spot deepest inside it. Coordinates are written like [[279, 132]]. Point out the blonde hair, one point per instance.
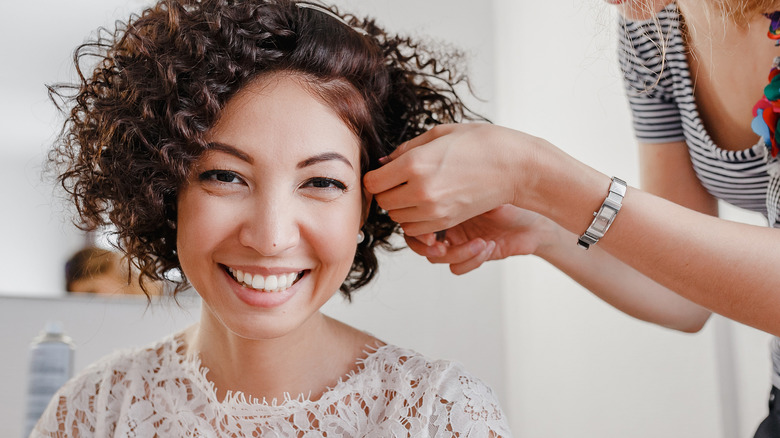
[[739, 12], [742, 11]]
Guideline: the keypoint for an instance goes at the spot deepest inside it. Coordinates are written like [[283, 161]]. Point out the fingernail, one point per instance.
[[384, 160], [437, 250], [477, 247]]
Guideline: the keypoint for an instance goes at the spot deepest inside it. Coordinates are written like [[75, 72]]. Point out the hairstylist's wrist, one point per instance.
[[504, 171], [537, 169], [554, 184]]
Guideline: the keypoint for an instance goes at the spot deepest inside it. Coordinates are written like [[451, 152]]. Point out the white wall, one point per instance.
[[577, 367]]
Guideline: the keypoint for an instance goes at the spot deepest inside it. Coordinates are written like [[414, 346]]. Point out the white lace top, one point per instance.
[[159, 392]]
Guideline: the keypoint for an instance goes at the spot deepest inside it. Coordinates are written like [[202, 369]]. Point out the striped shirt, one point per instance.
[[660, 94], [658, 83]]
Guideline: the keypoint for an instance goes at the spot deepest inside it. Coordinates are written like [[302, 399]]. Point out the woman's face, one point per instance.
[[639, 9], [268, 221]]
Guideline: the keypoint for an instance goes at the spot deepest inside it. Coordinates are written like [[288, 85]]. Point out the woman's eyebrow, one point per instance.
[[326, 156], [226, 148]]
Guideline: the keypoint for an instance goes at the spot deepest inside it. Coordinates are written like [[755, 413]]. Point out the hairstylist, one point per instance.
[[665, 241]]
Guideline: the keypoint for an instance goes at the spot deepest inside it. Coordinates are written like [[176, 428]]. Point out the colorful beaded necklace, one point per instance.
[[766, 123]]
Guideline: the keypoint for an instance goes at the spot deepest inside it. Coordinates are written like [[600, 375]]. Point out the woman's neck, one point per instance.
[[307, 361], [706, 23]]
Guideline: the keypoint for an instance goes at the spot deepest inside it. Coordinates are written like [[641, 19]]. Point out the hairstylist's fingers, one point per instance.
[[425, 137], [475, 262], [412, 228], [384, 178], [396, 198], [437, 249], [395, 170], [461, 253], [427, 238]]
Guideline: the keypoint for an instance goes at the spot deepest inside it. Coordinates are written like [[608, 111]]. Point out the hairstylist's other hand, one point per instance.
[[497, 234], [445, 176]]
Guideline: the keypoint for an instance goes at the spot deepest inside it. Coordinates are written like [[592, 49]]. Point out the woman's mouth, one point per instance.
[[266, 283]]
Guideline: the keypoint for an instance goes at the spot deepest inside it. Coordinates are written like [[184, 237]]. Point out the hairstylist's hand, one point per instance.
[[446, 176], [497, 234]]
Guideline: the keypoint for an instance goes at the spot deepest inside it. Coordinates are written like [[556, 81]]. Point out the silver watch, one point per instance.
[[606, 214]]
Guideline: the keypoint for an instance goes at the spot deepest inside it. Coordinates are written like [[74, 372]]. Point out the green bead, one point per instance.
[[772, 90], [777, 129]]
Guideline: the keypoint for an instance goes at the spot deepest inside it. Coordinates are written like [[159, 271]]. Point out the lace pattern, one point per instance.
[[158, 391]]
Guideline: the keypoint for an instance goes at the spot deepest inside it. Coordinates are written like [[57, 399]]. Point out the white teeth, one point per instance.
[[258, 282], [271, 283]]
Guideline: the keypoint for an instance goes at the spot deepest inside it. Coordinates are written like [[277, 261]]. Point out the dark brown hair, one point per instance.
[[138, 118]]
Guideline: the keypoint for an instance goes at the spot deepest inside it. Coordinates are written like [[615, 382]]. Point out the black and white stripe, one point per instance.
[[660, 94]]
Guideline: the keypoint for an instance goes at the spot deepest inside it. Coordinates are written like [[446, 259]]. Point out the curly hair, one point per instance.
[[138, 119]]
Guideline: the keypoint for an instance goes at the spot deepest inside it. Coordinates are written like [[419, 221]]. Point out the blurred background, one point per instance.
[[562, 362]]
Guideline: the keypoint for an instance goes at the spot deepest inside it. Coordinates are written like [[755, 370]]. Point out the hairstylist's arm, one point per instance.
[[721, 265], [508, 230]]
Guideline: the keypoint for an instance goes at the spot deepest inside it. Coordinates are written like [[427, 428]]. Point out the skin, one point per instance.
[[545, 199], [272, 198]]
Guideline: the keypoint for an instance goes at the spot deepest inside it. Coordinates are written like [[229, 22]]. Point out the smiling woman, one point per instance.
[[227, 140], [272, 214]]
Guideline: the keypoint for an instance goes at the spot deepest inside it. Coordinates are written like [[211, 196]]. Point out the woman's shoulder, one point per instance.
[[409, 363], [406, 364], [652, 38], [652, 55], [444, 390]]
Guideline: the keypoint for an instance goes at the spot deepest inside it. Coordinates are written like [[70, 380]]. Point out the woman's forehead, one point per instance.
[[280, 116]]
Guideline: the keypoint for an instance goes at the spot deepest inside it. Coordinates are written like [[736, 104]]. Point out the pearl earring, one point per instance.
[[361, 236]]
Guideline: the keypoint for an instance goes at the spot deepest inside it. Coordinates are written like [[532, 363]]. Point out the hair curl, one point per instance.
[[138, 119]]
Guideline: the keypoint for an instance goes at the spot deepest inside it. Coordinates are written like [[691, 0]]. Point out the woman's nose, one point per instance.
[[269, 225]]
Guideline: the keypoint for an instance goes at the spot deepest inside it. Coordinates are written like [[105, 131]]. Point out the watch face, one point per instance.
[[604, 218]]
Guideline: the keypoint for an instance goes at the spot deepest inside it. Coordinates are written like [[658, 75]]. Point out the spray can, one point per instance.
[[51, 365]]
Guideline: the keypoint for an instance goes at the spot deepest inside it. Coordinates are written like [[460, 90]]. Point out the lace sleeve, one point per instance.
[[466, 407]]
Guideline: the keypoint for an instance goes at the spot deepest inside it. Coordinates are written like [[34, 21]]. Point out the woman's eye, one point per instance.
[[223, 176], [325, 183]]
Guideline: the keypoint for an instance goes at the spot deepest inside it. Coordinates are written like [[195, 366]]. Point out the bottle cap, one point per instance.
[[53, 327]]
